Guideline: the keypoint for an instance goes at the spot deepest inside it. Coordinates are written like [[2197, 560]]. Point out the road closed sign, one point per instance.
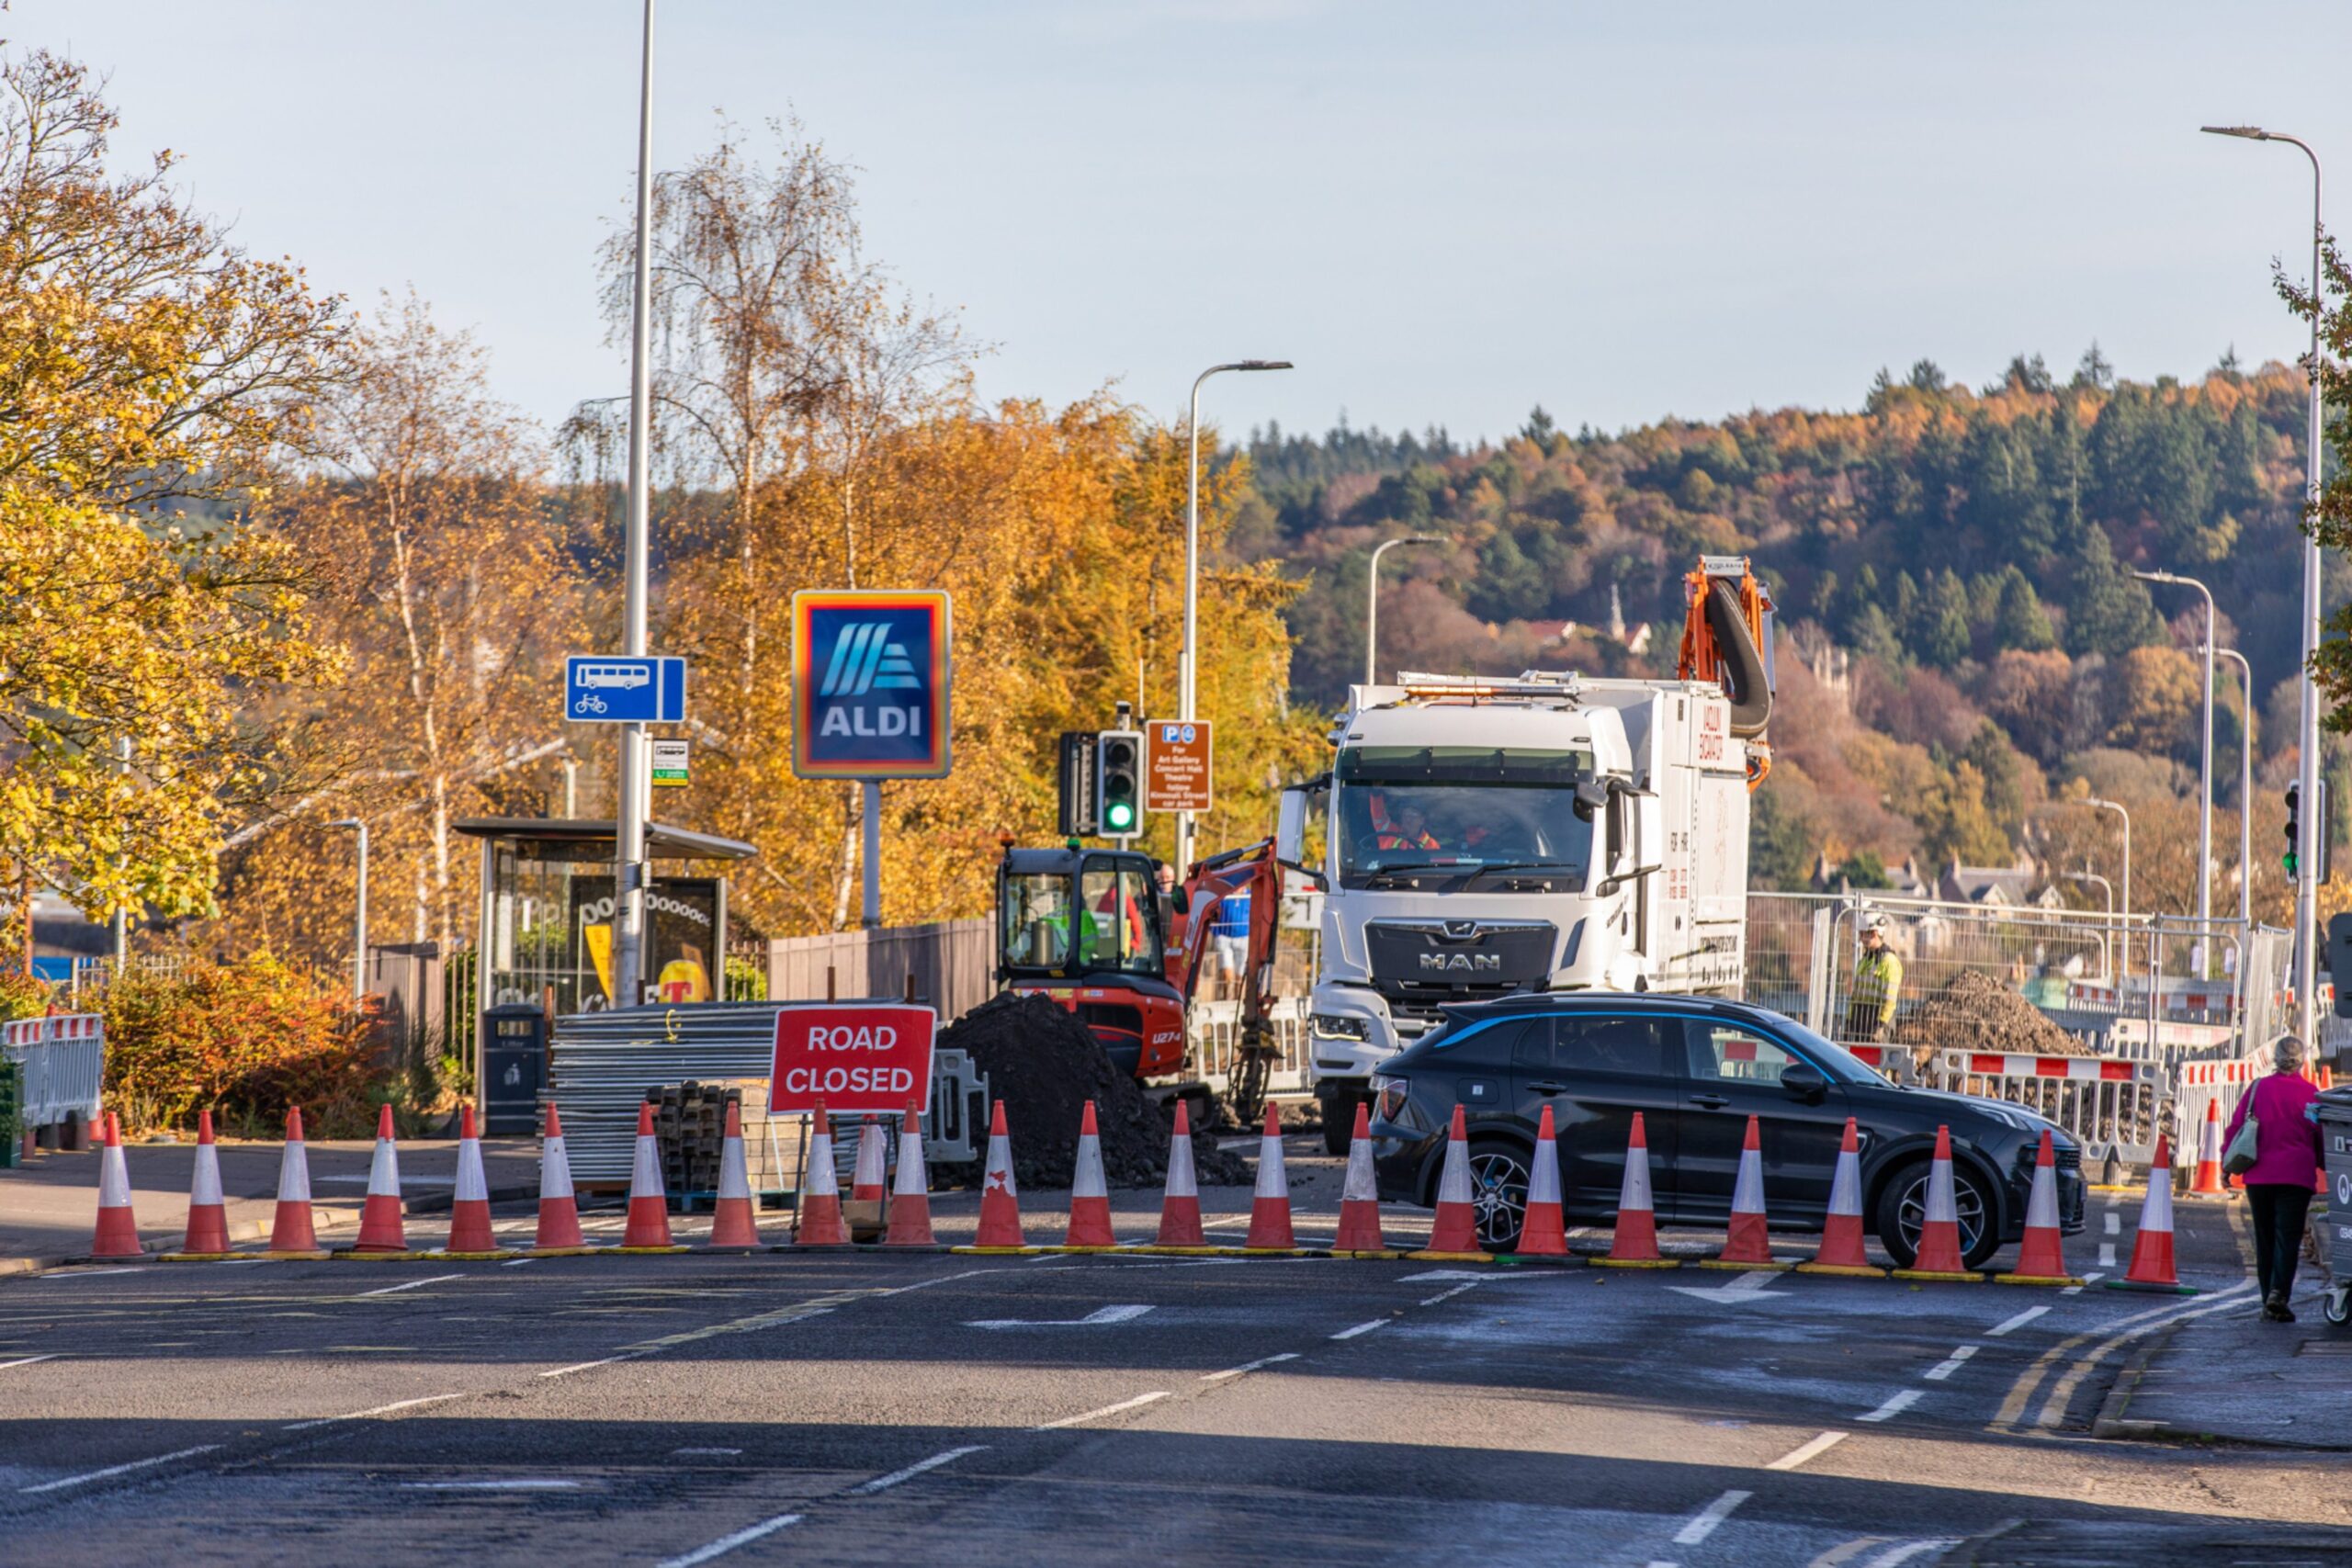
[[1177, 766], [858, 1057]]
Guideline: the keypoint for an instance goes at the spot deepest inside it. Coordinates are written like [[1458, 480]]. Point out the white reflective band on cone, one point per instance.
[[1940, 1207], [2042, 1206], [1273, 1181], [645, 1176], [1087, 1180], [1179, 1169], [911, 1181], [1845, 1187], [1543, 1181], [869, 1155], [1359, 1186], [734, 1179], [819, 1180], [384, 1173], [113, 1179], [206, 1188], [471, 1188], [294, 1175], [555, 1169], [1747, 1193], [1001, 1162], [1635, 1192], [1453, 1181]]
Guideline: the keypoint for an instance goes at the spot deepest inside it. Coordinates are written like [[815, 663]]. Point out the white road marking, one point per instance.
[[1106, 1410], [2054, 1409], [1740, 1287], [1428, 1276], [583, 1366], [1908, 1550], [2114, 1223], [1362, 1328], [706, 1451], [2010, 1326], [1798, 1455], [727, 1543], [364, 1414], [1098, 1316], [1704, 1523], [2093, 1278], [520, 1483], [117, 1470], [29, 1360], [413, 1284], [884, 1482], [94, 1273], [1949, 1364], [1250, 1367], [518, 1262], [1448, 1295], [1894, 1407], [2107, 1255]]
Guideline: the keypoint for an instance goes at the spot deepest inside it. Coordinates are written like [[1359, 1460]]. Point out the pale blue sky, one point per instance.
[[1442, 213]]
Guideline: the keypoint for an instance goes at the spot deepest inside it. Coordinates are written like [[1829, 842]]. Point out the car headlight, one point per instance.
[[1388, 1097], [1339, 1026]]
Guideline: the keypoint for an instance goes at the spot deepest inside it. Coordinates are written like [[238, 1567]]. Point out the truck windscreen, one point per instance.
[[1452, 810]]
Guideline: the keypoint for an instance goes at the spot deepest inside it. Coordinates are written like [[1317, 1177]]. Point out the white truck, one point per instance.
[[1551, 832]]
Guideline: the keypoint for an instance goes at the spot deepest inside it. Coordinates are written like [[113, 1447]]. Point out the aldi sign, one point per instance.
[[870, 683]]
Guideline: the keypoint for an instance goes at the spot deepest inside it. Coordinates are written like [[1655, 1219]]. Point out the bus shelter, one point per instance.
[[546, 914]]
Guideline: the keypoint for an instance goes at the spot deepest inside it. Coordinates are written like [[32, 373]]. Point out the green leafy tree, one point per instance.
[[2020, 622], [2110, 611]]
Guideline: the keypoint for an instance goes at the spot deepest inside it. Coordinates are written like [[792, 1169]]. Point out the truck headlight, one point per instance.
[[1339, 1026]]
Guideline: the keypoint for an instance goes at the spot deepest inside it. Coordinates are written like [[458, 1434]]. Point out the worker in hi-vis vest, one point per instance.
[[1878, 984]]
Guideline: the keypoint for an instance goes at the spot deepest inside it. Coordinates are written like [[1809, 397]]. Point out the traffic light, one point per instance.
[[1118, 782], [2294, 834], [1076, 778], [2324, 850]]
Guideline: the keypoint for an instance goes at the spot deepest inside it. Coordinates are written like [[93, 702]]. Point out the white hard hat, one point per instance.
[[1874, 921]]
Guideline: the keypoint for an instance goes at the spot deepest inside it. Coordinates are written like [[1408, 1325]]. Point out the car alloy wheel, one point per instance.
[[1498, 1194], [1968, 1207]]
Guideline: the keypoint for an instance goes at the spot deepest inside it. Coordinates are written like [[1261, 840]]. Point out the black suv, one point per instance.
[[1696, 1068]]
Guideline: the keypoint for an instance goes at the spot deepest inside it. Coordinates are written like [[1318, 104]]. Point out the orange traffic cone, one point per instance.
[[911, 1191], [732, 1221], [1090, 1199], [1543, 1232], [1841, 1251], [1359, 1193], [293, 1232], [470, 1233], [869, 1182], [1179, 1208], [1455, 1233], [208, 1214], [1000, 1197], [559, 1204], [1269, 1208], [2151, 1266], [382, 1225], [1939, 1256], [648, 1229], [1635, 1243], [2208, 1179], [118, 1232], [2041, 1255], [818, 1222], [1747, 1245]]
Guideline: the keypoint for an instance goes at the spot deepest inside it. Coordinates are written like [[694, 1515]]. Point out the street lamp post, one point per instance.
[[2246, 795], [2204, 770], [2106, 957], [360, 917], [2097, 803], [2307, 725], [1187, 672], [629, 847], [1372, 603]]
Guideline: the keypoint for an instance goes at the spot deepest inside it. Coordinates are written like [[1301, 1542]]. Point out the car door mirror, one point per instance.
[[1804, 1080]]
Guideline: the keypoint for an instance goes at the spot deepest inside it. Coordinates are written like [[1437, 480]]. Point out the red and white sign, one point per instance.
[[858, 1057]]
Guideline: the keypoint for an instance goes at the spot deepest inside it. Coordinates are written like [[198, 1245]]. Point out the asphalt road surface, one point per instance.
[[865, 1408]]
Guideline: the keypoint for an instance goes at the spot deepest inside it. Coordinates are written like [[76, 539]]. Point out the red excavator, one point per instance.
[[1088, 928]]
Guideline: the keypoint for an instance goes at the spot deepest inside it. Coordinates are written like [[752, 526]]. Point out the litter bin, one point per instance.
[[514, 1068], [2336, 1145]]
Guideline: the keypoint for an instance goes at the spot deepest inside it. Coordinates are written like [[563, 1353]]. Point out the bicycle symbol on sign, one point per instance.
[[589, 702]]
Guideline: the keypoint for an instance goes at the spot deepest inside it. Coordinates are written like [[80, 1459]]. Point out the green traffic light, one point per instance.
[[1120, 815]]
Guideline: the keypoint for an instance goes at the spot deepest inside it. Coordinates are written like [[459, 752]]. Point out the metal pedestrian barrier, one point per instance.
[[2113, 1108], [63, 1060]]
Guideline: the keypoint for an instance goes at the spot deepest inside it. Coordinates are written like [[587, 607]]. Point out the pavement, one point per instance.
[[870, 1407]]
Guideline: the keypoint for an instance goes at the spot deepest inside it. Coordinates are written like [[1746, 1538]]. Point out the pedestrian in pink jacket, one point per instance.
[[2286, 1170]]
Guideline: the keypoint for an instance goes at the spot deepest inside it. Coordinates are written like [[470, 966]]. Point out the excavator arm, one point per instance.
[[1253, 873]]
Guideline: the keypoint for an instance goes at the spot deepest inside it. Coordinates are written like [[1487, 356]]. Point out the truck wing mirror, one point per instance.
[[1610, 884], [1592, 798]]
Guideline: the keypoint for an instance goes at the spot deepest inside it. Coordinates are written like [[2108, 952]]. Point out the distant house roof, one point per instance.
[[2007, 886]]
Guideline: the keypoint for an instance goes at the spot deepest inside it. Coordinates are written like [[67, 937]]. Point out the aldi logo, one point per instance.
[[871, 678]]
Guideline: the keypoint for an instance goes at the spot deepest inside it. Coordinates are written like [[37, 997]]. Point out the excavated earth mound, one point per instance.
[[1044, 1066], [1976, 1012]]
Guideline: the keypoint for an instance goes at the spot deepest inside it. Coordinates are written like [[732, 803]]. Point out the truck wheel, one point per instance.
[[1902, 1211], [1339, 1108]]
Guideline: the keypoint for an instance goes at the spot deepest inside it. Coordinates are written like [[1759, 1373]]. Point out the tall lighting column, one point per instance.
[[2307, 725], [628, 850], [1187, 673], [2204, 772]]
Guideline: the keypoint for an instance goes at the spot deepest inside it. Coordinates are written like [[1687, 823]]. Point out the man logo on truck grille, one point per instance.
[[1463, 962]]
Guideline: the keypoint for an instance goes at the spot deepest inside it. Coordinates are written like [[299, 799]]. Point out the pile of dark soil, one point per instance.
[[1976, 1012], [1044, 1066]]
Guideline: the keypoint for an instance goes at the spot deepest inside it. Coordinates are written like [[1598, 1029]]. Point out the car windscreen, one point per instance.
[[1461, 807]]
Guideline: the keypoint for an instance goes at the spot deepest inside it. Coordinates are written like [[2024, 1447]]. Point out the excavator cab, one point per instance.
[[1085, 928]]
